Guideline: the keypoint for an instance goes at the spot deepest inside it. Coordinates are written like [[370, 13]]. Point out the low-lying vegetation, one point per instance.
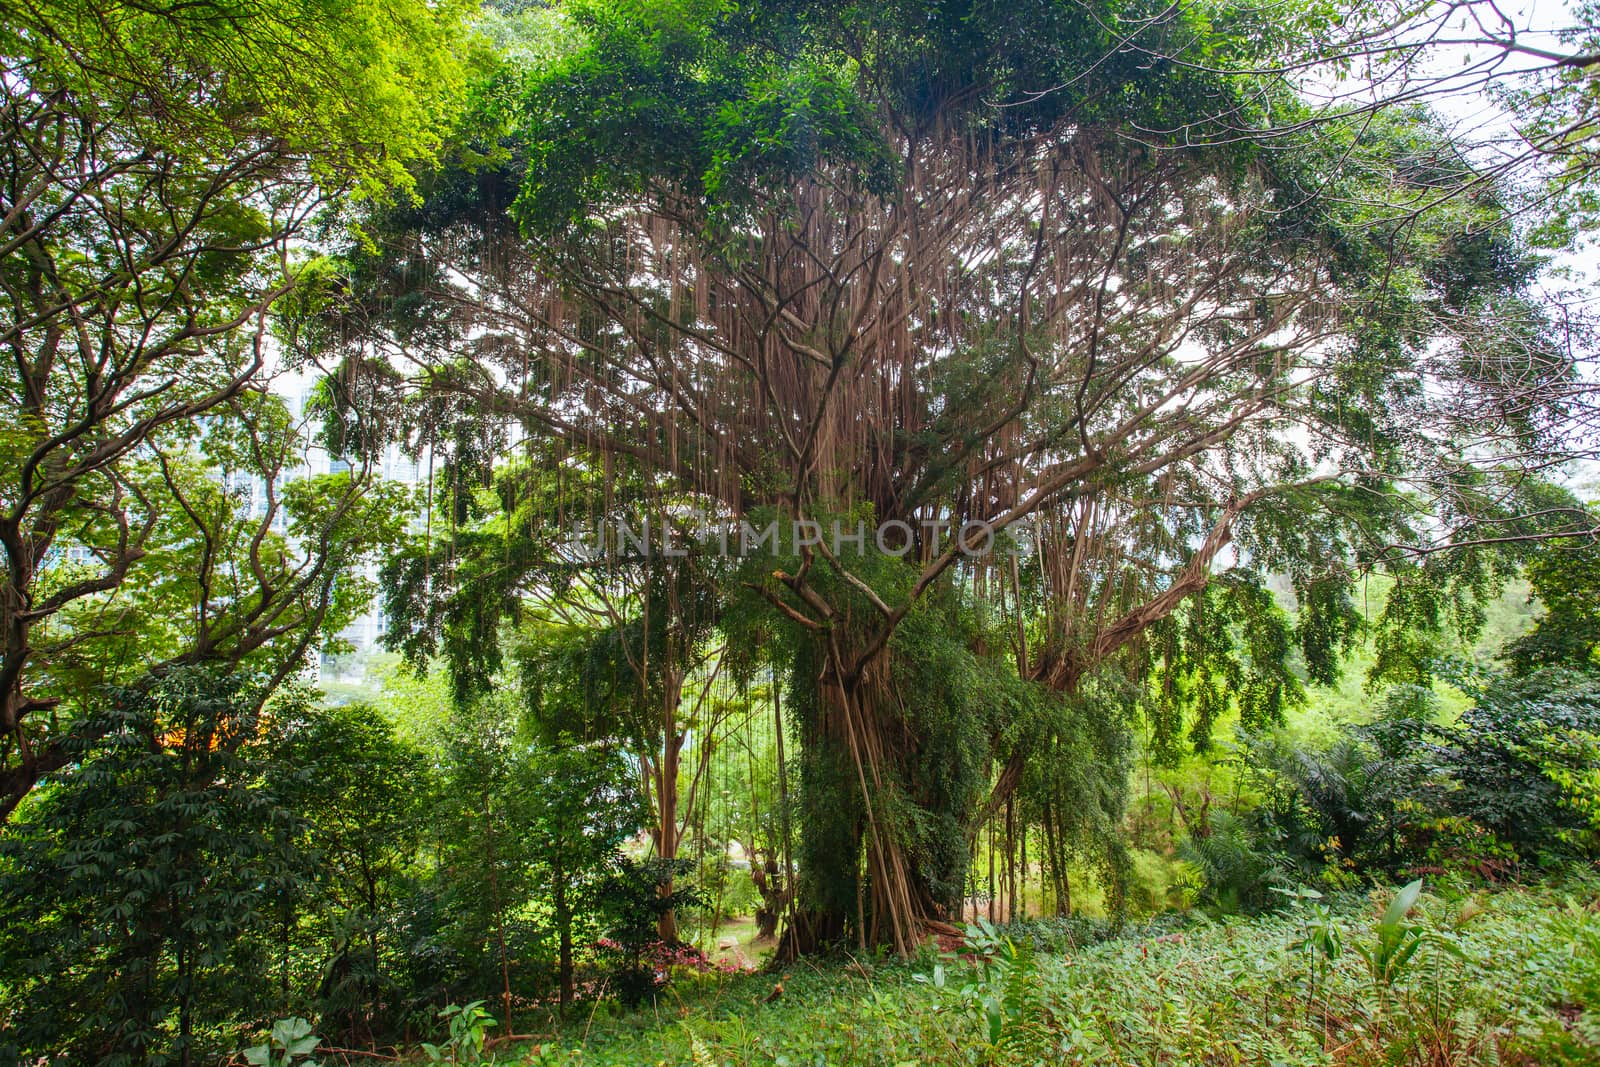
[[1462, 976]]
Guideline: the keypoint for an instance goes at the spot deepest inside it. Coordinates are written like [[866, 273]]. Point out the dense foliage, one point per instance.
[[162, 168], [929, 484], [840, 265]]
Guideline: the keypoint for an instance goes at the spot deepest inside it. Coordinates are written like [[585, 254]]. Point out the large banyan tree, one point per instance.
[[943, 269]]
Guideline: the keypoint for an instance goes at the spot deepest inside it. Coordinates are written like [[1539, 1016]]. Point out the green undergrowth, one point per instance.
[[1463, 977]]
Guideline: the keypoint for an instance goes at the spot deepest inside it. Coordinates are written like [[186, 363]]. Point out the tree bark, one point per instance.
[[898, 902]]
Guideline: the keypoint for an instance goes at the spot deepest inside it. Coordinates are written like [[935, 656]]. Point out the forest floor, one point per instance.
[[1510, 976], [737, 944]]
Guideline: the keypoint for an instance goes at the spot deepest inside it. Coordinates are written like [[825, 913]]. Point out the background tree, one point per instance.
[[364, 797], [611, 640], [583, 807], [1565, 578], [159, 167], [220, 554], [470, 916]]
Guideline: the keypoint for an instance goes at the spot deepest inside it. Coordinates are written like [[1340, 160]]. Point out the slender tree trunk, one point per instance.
[[991, 873], [783, 799], [667, 796], [861, 908], [1058, 860], [499, 912], [1062, 874], [1050, 866], [563, 912], [1011, 861], [667, 834], [1022, 868]]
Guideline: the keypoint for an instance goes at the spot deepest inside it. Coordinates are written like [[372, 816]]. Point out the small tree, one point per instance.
[[1524, 757], [582, 806], [472, 911], [363, 794], [609, 644]]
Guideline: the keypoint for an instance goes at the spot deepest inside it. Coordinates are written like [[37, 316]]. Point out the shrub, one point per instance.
[[1237, 873], [1513, 781], [132, 885], [1522, 761]]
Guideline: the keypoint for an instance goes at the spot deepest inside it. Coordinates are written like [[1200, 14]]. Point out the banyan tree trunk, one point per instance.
[[899, 908], [859, 875]]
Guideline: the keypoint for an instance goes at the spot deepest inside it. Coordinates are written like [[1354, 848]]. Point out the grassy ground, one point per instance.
[[1509, 977]]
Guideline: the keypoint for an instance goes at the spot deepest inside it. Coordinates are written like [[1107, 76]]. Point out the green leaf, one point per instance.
[[1402, 903]]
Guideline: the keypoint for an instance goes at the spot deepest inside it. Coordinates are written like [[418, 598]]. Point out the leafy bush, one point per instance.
[[1512, 782], [1523, 758], [469, 1026], [290, 1044], [631, 901], [998, 989], [133, 885]]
